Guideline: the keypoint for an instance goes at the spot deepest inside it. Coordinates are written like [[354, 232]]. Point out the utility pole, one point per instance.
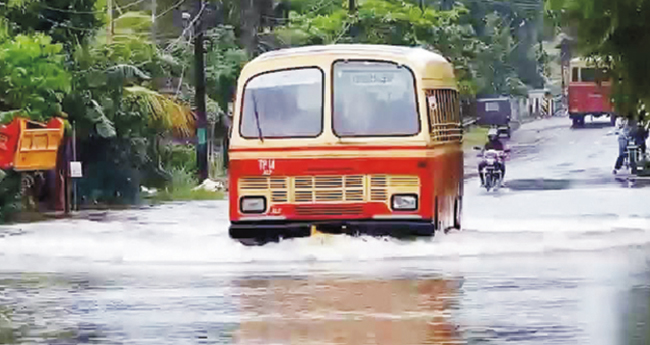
[[154, 9], [446, 5], [201, 125], [565, 54], [352, 8], [111, 25]]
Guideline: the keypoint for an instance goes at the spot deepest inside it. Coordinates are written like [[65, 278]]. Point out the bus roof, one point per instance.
[[412, 53], [433, 68]]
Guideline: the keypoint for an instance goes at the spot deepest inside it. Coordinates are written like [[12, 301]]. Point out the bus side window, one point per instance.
[[588, 75], [575, 77]]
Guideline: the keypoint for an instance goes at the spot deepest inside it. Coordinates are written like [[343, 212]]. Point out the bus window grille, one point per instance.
[[444, 115]]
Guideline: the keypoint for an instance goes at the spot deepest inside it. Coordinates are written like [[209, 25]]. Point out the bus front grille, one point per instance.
[[329, 189], [329, 210]]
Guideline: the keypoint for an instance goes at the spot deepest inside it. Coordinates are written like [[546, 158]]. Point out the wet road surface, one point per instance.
[[558, 256]]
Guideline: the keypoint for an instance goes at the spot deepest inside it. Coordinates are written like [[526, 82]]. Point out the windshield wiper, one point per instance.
[[257, 119]]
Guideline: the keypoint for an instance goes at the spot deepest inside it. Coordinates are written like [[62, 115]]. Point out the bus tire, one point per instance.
[[458, 212], [578, 122]]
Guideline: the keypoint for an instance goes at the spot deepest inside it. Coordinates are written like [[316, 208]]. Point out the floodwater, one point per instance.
[[558, 256]]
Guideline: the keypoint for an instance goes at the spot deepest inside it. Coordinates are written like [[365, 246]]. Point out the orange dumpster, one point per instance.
[[30, 145]]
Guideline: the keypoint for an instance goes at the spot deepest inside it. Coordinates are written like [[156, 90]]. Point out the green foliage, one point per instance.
[[617, 33], [177, 156], [224, 60], [476, 136], [387, 22], [182, 187], [490, 44], [68, 22], [9, 195], [34, 80], [496, 73], [112, 95], [524, 19]]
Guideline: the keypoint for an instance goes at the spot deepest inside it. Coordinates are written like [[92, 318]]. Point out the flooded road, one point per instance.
[[559, 256]]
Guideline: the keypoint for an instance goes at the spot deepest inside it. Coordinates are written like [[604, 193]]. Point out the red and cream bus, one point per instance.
[[589, 92], [355, 139]]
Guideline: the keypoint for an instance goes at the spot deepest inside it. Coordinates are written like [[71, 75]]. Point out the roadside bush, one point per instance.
[[9, 196], [180, 157], [181, 188]]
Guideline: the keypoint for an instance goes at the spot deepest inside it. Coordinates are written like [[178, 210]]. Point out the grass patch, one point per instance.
[[475, 136], [181, 188], [186, 195]]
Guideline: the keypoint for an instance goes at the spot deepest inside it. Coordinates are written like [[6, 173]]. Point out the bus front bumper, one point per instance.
[[275, 230]]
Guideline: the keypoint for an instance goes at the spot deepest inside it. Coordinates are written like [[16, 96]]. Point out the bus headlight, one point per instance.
[[252, 204], [405, 202]]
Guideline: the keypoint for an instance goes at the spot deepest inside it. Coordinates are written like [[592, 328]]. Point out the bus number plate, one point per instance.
[[267, 166]]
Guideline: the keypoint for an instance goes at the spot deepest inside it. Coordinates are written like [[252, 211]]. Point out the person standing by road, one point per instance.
[[623, 138]]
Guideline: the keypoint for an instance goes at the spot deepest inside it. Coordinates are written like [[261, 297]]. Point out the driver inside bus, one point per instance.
[[493, 144]]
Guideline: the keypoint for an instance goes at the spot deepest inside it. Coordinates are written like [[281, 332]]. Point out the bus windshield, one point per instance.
[[592, 75], [283, 104], [374, 99]]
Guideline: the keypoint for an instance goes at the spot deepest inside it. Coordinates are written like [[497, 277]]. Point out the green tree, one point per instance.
[[496, 73], [525, 21], [34, 80], [386, 22], [617, 33], [67, 21], [120, 117], [112, 80]]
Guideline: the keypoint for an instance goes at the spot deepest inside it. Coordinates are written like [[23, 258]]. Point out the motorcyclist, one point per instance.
[[493, 144]]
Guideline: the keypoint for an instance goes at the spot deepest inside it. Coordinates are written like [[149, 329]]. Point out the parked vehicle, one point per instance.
[[30, 146], [496, 112]]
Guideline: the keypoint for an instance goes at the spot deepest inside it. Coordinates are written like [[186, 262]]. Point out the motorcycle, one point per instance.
[[492, 175], [633, 158]]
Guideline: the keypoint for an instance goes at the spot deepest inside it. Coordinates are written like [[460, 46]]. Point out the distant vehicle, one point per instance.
[[589, 93], [495, 112], [354, 139]]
